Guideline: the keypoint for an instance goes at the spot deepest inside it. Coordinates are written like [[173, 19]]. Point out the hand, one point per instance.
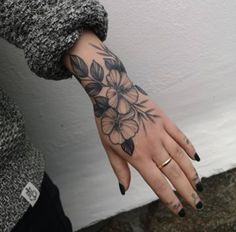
[[133, 129]]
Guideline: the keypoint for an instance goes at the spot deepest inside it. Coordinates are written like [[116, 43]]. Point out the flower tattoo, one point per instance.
[[120, 110], [119, 127], [121, 93]]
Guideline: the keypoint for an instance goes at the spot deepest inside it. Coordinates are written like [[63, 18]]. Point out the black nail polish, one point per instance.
[[196, 156], [122, 189], [199, 205], [199, 187], [181, 212]]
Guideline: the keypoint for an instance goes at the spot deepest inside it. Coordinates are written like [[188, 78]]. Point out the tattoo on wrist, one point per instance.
[[120, 110]]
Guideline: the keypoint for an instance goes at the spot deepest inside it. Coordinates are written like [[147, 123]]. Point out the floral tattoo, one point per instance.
[[120, 110]]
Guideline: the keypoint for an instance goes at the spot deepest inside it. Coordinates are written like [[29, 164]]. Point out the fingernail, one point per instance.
[[199, 205], [196, 156], [199, 187], [181, 212], [122, 189]]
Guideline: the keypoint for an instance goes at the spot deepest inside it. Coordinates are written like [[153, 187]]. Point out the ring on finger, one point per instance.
[[164, 163]]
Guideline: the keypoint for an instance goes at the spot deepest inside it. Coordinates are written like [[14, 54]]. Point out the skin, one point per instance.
[[154, 139]]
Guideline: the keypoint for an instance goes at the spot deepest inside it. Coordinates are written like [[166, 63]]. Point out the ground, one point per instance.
[[218, 214]]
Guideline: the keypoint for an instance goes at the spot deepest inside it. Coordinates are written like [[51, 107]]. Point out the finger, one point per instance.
[[181, 158], [180, 138], [121, 170], [178, 179], [159, 184]]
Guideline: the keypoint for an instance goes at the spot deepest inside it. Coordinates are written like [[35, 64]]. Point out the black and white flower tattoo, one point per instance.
[[121, 93], [119, 127], [120, 110]]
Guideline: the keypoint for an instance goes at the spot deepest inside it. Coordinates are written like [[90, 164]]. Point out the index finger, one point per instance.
[[180, 138]]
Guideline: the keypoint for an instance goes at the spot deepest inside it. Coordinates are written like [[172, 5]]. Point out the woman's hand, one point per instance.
[[132, 128]]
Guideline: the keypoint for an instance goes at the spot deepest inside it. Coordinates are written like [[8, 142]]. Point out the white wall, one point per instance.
[[183, 53]]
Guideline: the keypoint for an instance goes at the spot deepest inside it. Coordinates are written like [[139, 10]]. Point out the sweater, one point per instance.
[[45, 30]]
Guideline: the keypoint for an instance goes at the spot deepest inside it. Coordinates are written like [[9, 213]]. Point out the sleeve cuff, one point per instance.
[[57, 29]]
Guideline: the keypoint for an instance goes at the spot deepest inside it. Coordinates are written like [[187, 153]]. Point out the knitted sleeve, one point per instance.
[[46, 29]]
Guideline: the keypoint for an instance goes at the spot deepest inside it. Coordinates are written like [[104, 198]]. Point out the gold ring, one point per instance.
[[165, 163]]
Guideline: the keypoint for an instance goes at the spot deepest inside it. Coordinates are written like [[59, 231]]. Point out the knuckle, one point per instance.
[[162, 186], [195, 198], [188, 142], [174, 205], [189, 146], [139, 159], [195, 177], [191, 150], [175, 171], [179, 153]]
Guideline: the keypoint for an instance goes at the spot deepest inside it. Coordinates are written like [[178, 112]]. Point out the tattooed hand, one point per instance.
[[133, 129]]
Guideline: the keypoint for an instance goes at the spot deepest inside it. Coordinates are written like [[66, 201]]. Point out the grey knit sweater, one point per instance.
[[45, 30]]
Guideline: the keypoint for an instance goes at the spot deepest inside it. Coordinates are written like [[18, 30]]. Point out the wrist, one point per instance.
[[82, 48], [119, 103]]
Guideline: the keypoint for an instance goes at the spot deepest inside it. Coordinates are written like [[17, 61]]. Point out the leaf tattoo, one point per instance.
[[96, 71], [140, 90], [120, 111], [93, 88], [128, 146], [101, 105], [79, 66]]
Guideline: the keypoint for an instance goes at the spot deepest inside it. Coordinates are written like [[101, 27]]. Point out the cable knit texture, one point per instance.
[[46, 29]]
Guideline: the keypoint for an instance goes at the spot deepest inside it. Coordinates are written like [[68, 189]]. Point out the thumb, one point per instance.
[[121, 170]]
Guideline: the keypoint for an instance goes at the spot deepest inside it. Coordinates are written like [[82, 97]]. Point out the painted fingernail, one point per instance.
[[196, 156], [122, 189], [181, 212], [199, 205], [199, 187]]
